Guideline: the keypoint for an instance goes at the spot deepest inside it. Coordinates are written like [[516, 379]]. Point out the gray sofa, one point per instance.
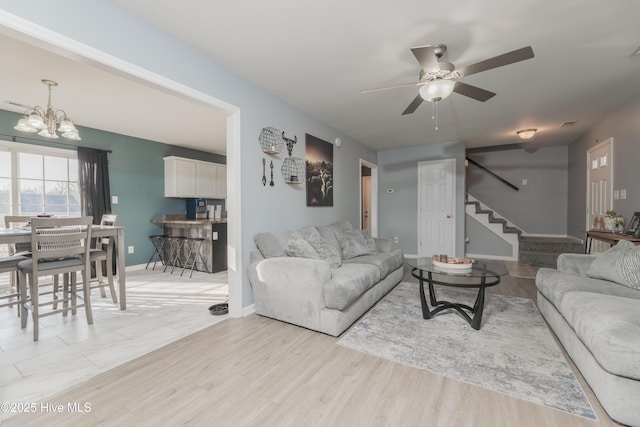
[[598, 323], [322, 278]]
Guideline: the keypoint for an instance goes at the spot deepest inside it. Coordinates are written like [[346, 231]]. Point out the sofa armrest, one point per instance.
[[382, 244], [576, 264], [290, 289]]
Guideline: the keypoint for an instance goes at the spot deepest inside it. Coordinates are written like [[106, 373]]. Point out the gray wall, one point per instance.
[[538, 207], [263, 208], [398, 212], [483, 241], [623, 125], [136, 176]]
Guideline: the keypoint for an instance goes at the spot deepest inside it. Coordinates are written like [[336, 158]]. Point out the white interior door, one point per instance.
[[366, 202], [436, 206], [599, 186]]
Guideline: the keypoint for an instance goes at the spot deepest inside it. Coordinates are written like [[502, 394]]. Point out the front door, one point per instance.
[[436, 205], [599, 186]]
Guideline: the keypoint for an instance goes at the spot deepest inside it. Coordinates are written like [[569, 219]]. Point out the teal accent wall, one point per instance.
[[136, 176]]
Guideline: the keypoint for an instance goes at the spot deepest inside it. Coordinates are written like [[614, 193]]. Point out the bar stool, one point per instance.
[[157, 240], [194, 244], [176, 248]]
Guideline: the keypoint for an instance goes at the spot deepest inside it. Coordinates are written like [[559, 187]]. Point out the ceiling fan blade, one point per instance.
[[413, 106], [390, 87], [473, 92], [427, 58], [498, 61]]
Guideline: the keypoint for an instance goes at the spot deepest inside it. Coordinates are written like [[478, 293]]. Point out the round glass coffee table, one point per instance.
[[481, 276]]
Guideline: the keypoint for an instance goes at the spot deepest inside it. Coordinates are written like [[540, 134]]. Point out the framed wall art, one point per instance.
[[319, 171], [633, 226]]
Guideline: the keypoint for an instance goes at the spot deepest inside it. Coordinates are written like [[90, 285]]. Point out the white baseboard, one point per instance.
[[135, 267], [250, 309], [493, 257]]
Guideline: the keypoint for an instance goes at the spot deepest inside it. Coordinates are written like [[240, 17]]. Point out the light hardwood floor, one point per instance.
[[262, 372]]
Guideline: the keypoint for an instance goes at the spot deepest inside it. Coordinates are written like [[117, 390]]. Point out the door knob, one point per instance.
[[448, 216]]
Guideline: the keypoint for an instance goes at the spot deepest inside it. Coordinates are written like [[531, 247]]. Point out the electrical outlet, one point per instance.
[[130, 249], [395, 239]]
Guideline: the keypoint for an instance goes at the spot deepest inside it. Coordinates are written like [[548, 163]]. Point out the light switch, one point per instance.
[[114, 200], [616, 194], [524, 181], [623, 194]]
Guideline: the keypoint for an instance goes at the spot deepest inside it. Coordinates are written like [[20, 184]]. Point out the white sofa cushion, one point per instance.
[[609, 326], [348, 283], [385, 262]]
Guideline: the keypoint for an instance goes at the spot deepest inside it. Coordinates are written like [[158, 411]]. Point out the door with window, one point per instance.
[[436, 206], [599, 187]]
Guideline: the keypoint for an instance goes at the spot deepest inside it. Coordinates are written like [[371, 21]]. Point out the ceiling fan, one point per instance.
[[438, 79]]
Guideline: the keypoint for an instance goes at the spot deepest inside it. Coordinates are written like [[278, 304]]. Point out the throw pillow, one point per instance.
[[324, 249], [369, 239], [298, 247], [352, 244], [620, 264]]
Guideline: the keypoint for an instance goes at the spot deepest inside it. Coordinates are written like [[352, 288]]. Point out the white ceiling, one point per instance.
[[318, 55]]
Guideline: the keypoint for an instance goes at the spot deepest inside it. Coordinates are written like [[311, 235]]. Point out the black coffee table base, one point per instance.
[[463, 309]]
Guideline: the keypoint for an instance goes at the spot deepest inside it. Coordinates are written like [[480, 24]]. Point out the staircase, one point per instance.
[[535, 251], [496, 224]]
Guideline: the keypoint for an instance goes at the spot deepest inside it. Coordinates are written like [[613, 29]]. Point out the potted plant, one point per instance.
[[614, 222]]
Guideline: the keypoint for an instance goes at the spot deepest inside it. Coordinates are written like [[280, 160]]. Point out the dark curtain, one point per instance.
[[93, 179]]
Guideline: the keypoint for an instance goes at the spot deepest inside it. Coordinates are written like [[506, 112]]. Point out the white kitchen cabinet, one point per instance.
[[194, 178]]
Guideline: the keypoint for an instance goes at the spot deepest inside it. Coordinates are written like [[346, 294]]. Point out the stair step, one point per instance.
[[544, 252], [512, 230], [497, 220], [554, 245]]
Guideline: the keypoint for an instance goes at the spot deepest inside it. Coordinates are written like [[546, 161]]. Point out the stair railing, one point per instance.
[[473, 162]]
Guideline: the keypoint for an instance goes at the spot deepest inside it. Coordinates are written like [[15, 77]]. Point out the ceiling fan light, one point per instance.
[[437, 90], [526, 133], [35, 121], [24, 126]]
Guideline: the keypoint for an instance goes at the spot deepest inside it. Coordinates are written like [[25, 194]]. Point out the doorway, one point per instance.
[[369, 197], [436, 207], [599, 187]]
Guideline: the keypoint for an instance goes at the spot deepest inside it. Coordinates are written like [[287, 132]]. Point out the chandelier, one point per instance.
[[44, 121]]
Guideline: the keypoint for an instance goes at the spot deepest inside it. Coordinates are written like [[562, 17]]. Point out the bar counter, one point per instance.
[[214, 249]]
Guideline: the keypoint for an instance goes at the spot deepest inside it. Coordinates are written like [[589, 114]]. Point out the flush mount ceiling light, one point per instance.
[[44, 121], [526, 133], [435, 91]]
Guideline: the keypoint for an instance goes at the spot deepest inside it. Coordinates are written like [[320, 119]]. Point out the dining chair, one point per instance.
[[24, 249], [102, 256], [58, 246], [10, 265]]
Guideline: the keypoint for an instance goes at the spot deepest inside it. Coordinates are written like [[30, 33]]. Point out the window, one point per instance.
[[36, 180]]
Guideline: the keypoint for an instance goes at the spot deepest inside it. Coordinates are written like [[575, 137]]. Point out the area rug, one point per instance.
[[513, 353]]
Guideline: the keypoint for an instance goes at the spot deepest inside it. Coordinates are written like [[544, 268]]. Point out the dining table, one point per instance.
[[23, 235]]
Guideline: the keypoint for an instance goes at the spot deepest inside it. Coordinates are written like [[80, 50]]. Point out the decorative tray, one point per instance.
[[453, 263]]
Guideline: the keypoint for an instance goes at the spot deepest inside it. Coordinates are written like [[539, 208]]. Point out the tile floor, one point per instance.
[[161, 308]]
